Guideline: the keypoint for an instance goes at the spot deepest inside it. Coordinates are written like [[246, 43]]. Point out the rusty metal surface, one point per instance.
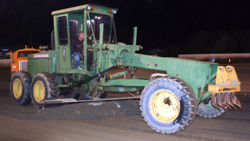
[[236, 101], [229, 102], [220, 100], [214, 102], [225, 100]]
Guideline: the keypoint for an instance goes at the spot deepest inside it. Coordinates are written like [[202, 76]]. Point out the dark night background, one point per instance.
[[174, 26]]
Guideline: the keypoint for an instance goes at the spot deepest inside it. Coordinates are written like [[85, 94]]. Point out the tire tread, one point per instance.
[[190, 105]]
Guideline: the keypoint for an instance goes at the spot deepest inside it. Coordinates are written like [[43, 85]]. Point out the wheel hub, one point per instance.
[[17, 88], [164, 106], [39, 91]]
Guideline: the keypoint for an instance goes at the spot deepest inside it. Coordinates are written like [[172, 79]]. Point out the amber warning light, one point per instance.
[[90, 8], [114, 11]]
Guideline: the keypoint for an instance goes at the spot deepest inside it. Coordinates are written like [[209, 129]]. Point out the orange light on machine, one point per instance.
[[90, 8], [114, 11]]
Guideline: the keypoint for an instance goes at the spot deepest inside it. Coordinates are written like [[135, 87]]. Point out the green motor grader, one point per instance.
[[168, 101]]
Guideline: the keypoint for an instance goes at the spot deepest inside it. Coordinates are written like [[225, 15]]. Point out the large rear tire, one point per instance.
[[168, 105], [20, 87], [206, 110], [43, 86]]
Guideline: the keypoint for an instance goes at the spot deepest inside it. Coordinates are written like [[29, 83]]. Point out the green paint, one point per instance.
[[195, 73], [120, 88], [102, 51], [124, 73], [135, 36], [127, 82]]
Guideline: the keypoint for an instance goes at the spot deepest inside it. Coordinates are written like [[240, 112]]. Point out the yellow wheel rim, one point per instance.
[[164, 106], [17, 88], [39, 91]]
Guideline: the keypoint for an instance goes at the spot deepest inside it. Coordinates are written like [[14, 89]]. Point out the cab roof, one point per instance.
[[77, 8]]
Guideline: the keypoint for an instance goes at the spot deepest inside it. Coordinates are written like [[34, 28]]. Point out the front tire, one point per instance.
[[43, 86], [20, 87], [207, 110], [168, 105]]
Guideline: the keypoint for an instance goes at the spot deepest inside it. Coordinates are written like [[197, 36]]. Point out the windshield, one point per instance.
[[93, 28], [26, 53]]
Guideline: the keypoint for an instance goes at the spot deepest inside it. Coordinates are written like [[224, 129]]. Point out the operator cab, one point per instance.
[[86, 18]]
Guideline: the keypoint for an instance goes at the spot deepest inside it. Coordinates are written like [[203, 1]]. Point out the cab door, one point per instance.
[[63, 51]]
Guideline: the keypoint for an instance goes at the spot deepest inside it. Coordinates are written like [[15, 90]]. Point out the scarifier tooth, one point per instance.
[[213, 101], [219, 100], [229, 101], [235, 100], [223, 101]]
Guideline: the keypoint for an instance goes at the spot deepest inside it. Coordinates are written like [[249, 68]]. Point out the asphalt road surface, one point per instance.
[[118, 120]]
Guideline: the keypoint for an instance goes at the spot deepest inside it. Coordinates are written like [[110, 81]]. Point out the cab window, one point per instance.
[[62, 28]]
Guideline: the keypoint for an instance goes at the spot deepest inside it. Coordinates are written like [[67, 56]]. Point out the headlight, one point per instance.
[[14, 66], [114, 11], [90, 8]]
